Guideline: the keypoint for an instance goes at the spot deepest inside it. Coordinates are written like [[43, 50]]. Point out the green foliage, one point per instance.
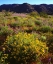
[[16, 18], [50, 42], [30, 23], [50, 23], [14, 24], [3, 20], [43, 14], [45, 29], [6, 13], [34, 14], [38, 22], [43, 38], [23, 48], [5, 30]]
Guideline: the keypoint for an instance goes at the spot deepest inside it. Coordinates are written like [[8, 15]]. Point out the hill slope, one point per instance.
[[26, 8]]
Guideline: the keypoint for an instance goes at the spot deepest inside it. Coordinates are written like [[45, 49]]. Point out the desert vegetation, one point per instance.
[[26, 39]]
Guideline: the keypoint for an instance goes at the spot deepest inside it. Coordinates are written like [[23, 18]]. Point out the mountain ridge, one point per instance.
[[27, 8]]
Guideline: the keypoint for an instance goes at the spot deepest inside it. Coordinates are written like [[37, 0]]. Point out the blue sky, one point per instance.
[[26, 1]]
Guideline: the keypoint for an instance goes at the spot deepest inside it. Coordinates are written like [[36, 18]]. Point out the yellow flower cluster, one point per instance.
[[25, 46], [23, 38]]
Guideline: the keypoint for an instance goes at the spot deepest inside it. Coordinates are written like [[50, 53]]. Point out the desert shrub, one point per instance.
[[29, 22], [16, 18], [22, 48], [43, 38], [50, 42], [5, 30], [14, 24], [22, 22], [3, 20], [50, 23], [6, 13], [18, 22], [34, 14], [45, 29], [38, 22], [34, 28], [43, 14]]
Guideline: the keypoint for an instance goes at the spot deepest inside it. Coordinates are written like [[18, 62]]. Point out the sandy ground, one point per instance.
[[20, 14]]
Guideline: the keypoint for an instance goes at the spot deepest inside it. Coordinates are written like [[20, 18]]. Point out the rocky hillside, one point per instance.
[[26, 8]]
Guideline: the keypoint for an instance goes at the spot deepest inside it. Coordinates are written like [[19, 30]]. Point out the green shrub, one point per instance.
[[14, 24], [38, 22], [43, 38], [7, 13], [34, 14], [50, 23], [43, 14], [5, 30], [45, 29], [49, 39], [16, 18], [3, 20], [22, 49]]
